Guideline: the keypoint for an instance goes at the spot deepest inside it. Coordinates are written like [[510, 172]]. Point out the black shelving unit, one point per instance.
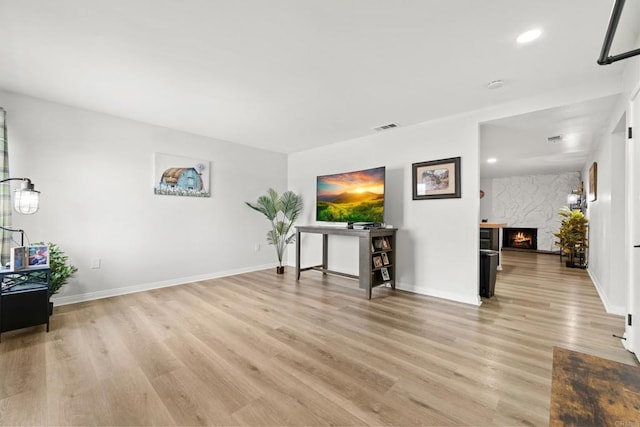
[[24, 298]]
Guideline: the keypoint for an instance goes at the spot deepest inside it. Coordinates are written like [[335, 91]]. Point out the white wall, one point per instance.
[[610, 246], [533, 201], [606, 222], [438, 239], [486, 203], [435, 253], [95, 173]]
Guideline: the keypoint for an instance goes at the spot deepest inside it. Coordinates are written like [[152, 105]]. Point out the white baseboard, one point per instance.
[[465, 299], [477, 301], [89, 296], [611, 309]]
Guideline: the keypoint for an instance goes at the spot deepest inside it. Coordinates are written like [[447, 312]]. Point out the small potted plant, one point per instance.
[[60, 270], [281, 211], [573, 237]]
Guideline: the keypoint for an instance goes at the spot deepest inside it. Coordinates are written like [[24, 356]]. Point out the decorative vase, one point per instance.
[[280, 269]]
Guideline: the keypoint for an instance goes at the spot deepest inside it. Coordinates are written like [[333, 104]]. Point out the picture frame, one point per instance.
[[181, 176], [592, 194], [38, 256], [385, 273], [377, 261], [385, 243], [17, 258], [436, 179], [385, 258]]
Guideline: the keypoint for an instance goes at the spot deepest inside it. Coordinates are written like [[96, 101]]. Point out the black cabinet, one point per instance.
[[24, 299], [489, 238]]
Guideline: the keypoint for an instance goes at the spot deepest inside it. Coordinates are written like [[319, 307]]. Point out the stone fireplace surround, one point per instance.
[[529, 201]]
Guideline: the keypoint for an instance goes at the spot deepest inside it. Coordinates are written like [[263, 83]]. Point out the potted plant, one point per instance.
[[281, 211], [60, 270], [573, 237]]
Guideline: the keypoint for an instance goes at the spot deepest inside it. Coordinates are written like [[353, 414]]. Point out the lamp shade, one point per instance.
[[26, 199], [573, 199]]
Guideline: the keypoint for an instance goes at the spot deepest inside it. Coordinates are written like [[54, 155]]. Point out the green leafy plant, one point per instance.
[[573, 236], [281, 211], [60, 269]]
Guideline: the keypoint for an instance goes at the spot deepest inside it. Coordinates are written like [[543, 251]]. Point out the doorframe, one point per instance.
[[632, 333]]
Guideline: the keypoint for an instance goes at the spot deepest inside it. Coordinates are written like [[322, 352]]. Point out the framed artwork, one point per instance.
[[437, 179], [385, 258], [385, 273], [38, 256], [377, 261], [385, 243], [17, 258], [181, 176], [593, 183]]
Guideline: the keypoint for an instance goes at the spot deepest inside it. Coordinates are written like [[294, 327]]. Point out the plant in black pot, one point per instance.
[[60, 268], [281, 211]]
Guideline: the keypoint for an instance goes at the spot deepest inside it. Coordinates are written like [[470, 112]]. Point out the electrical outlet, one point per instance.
[[95, 262], [256, 247]]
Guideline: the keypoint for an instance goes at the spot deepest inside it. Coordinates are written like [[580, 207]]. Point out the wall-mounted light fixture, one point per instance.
[[26, 200]]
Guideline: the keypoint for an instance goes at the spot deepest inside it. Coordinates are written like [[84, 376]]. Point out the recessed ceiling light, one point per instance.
[[529, 36], [495, 84], [492, 160]]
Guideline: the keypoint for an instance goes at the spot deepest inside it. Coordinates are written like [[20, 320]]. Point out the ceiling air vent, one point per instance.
[[386, 127], [557, 138]]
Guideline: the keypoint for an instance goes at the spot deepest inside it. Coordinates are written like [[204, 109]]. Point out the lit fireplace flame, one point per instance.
[[523, 238]]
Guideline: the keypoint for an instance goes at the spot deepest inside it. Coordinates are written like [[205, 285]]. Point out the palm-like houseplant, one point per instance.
[[281, 211], [573, 237]]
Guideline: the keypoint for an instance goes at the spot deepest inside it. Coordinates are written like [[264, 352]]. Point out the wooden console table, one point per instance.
[[376, 258]]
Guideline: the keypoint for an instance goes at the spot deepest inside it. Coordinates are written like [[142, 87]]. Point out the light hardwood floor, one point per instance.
[[257, 349]]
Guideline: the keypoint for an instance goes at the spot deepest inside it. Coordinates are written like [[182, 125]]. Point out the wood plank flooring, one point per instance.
[[262, 350]]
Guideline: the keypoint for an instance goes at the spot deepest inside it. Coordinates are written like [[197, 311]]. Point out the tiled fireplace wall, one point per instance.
[[532, 201]]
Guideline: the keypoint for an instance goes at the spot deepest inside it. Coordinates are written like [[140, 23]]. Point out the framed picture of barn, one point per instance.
[[181, 176]]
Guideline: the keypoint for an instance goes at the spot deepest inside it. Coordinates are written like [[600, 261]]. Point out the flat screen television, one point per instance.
[[356, 196]]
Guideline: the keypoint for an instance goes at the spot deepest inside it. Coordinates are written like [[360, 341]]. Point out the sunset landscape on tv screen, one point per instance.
[[351, 197]]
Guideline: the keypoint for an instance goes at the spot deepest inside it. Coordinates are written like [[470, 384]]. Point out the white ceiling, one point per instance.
[[289, 75], [520, 144]]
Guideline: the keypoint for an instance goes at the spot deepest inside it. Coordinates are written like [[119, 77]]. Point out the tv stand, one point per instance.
[[376, 246]]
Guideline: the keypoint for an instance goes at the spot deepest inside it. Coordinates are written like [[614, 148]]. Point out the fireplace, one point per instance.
[[520, 238]]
